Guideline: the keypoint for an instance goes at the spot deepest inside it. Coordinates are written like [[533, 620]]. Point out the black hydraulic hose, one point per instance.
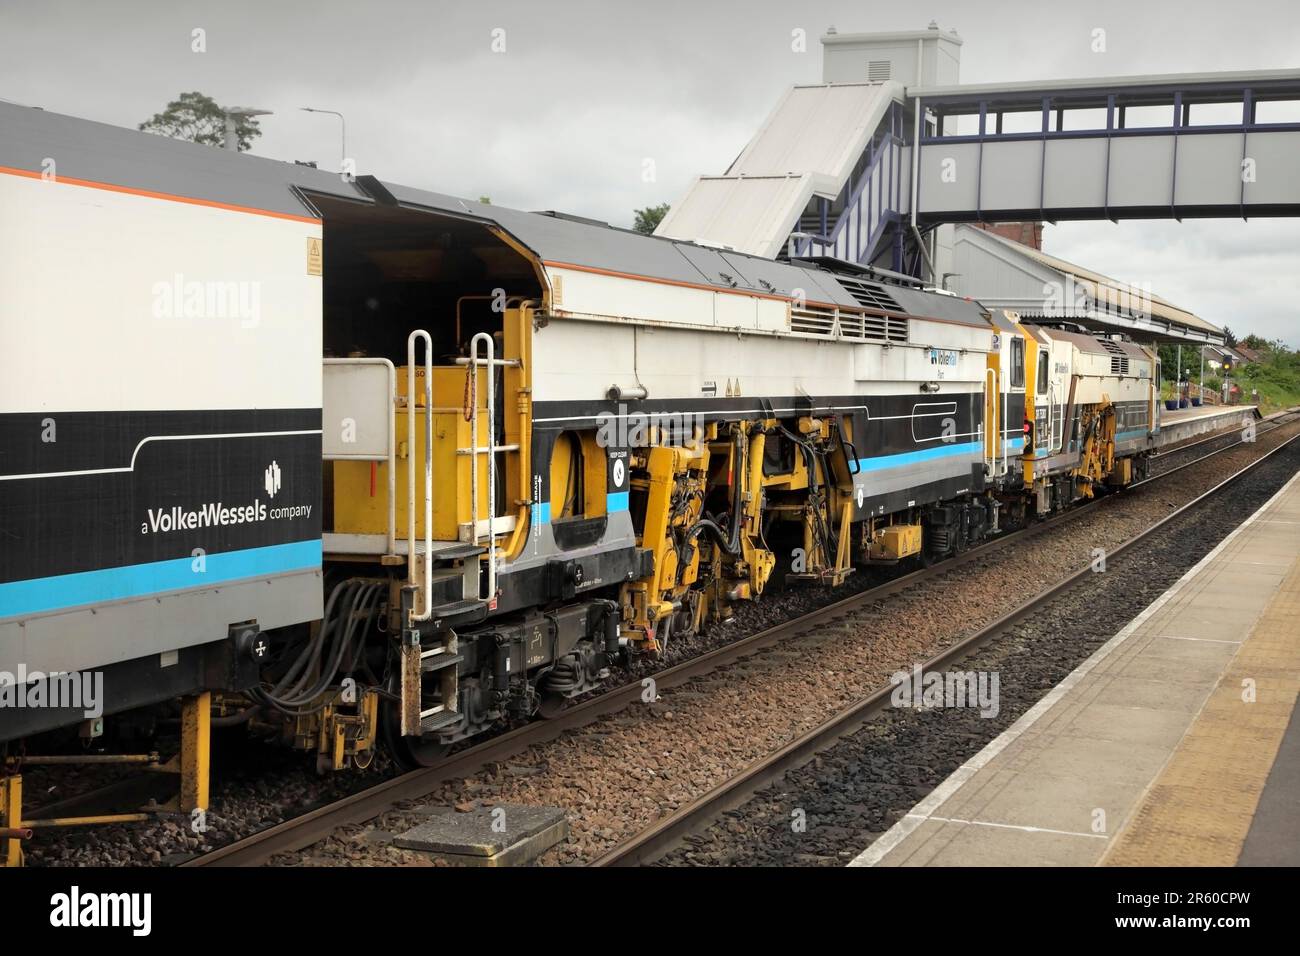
[[235, 720], [737, 495], [263, 696], [341, 636], [361, 610], [715, 531], [730, 545], [311, 651], [358, 603], [849, 449], [308, 662], [826, 536]]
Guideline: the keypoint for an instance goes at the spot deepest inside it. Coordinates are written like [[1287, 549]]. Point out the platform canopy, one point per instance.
[[1005, 274]]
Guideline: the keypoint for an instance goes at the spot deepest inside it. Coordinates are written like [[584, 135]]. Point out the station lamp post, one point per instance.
[[343, 131]]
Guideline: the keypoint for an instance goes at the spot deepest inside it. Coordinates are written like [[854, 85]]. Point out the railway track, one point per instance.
[[1222, 439], [313, 826], [653, 842]]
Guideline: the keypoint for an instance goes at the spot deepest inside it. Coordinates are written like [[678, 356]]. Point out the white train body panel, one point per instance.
[[151, 303], [681, 342]]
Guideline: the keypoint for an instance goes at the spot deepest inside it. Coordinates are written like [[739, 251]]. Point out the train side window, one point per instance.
[[1043, 362], [1017, 362]]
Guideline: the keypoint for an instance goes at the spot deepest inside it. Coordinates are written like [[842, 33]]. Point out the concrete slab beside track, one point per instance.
[[1171, 745]]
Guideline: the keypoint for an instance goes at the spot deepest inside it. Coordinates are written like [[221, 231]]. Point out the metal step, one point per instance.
[[458, 552], [468, 611], [444, 718], [436, 658]]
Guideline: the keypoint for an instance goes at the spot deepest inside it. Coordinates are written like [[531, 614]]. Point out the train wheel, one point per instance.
[[418, 753], [550, 705], [409, 753]]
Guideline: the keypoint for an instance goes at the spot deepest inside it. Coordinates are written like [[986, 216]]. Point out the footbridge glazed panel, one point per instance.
[[1159, 147]]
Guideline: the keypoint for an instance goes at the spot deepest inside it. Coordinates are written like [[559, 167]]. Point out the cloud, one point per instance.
[[1245, 275]]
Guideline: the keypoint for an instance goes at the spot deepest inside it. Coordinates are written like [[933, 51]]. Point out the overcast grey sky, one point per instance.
[[586, 91]]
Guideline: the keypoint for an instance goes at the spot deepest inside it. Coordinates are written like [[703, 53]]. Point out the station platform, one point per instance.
[[1175, 744], [1178, 426]]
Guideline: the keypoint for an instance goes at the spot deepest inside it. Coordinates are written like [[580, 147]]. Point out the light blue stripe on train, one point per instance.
[[139, 580], [615, 501], [970, 449]]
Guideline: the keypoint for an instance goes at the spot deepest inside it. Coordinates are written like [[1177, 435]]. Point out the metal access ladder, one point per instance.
[[441, 657], [487, 530]]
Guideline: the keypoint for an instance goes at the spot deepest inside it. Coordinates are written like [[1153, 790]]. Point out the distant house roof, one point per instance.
[[1003, 273], [1218, 353], [1249, 354]]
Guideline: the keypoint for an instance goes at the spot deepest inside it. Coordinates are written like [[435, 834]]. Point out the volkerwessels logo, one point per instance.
[[272, 482], [215, 514]]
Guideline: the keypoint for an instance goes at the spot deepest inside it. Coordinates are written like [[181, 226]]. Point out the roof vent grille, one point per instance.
[[878, 71], [869, 295], [837, 324], [1119, 365]]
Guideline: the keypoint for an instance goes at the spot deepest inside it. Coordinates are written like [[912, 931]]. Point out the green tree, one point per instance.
[[198, 118], [648, 219], [1169, 370], [1229, 339]]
